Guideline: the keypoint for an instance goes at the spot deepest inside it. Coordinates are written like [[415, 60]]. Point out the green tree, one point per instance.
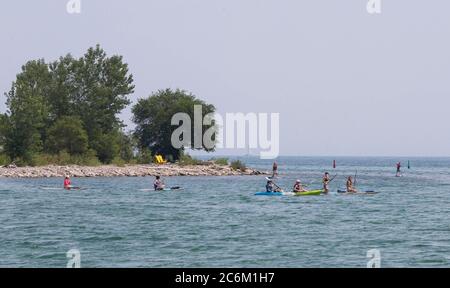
[[103, 86], [28, 110], [67, 134], [153, 116], [107, 147], [127, 146], [64, 87], [4, 130], [95, 88]]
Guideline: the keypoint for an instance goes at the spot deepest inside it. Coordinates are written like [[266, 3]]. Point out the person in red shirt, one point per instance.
[[67, 183]]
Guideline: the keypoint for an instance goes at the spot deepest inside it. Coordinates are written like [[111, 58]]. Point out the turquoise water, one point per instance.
[[217, 222]]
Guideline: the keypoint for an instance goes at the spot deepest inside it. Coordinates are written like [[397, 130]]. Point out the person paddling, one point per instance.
[[298, 187], [158, 184], [326, 181], [399, 167], [350, 187], [272, 187], [67, 183]]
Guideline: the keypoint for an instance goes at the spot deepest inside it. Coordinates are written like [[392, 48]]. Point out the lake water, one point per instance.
[[218, 222]]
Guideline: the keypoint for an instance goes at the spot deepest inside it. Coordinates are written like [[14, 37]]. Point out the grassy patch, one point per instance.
[[238, 165]]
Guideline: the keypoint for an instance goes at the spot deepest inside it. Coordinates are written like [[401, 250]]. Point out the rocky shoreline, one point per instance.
[[165, 170]]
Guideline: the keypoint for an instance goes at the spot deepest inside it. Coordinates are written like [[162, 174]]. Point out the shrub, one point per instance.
[[186, 159], [88, 159], [238, 165], [144, 156], [132, 161], [39, 160], [4, 160], [62, 158], [118, 162], [221, 161], [67, 134], [107, 147], [127, 146]]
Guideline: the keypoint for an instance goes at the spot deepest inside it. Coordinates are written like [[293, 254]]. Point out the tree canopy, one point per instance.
[[153, 116], [46, 97], [67, 134], [70, 107]]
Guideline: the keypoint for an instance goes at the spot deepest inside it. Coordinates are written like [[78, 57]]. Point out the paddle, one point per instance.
[[276, 186], [331, 180]]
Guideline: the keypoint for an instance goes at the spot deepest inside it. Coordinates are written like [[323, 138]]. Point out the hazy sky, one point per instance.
[[344, 82]]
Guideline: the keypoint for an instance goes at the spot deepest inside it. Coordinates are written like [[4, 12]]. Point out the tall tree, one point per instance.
[[153, 116], [64, 87], [103, 87], [95, 88], [28, 110]]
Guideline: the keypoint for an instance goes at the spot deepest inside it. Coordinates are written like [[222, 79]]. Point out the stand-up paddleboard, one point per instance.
[[344, 192], [176, 188], [62, 188]]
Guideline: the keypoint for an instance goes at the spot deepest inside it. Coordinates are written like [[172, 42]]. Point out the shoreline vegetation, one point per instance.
[[189, 167], [66, 112]]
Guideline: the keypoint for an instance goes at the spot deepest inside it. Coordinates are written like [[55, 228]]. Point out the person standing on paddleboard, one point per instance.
[[350, 188], [326, 180], [274, 170], [158, 184], [399, 167]]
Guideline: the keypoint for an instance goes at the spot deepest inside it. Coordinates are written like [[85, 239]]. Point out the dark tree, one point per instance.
[[153, 117]]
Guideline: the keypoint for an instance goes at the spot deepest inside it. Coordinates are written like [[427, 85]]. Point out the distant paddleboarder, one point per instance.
[[274, 170], [350, 187], [158, 184], [326, 181], [399, 171], [68, 184]]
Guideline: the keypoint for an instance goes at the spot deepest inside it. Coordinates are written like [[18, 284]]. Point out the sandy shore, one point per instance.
[[129, 171]]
